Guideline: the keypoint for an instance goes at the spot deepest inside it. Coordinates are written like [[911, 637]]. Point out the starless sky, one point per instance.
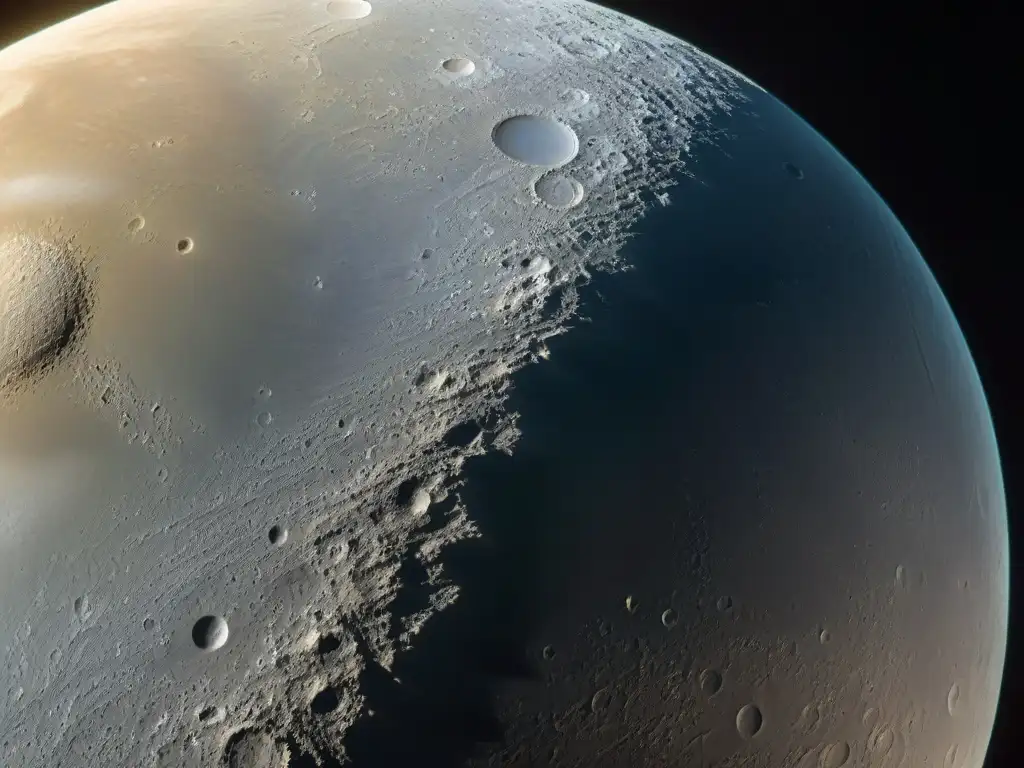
[[918, 97]]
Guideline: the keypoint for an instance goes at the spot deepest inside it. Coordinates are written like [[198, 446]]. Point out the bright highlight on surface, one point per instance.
[[536, 140], [349, 9]]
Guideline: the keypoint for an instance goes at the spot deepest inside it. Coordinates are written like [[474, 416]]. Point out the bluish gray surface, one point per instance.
[[772, 427], [308, 445]]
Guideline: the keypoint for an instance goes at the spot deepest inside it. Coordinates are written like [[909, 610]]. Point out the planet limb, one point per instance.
[[469, 383]]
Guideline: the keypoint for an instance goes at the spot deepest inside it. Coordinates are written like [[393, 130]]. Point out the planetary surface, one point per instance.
[[469, 383]]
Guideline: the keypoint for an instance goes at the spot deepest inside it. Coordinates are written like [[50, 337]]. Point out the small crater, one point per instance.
[[724, 603], [349, 9], [278, 535], [835, 755], [548, 653], [210, 633], [185, 245], [325, 702], [211, 714], [136, 224], [558, 190], [536, 140], [953, 698], [459, 66], [576, 96], [82, 607], [793, 171], [264, 419], [749, 721], [327, 644], [669, 618], [253, 749], [880, 741], [710, 682], [406, 489], [601, 700]]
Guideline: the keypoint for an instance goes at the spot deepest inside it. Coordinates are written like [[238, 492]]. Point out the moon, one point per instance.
[[468, 383]]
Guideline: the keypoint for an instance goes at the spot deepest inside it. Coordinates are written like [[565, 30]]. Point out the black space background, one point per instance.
[[918, 96]]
